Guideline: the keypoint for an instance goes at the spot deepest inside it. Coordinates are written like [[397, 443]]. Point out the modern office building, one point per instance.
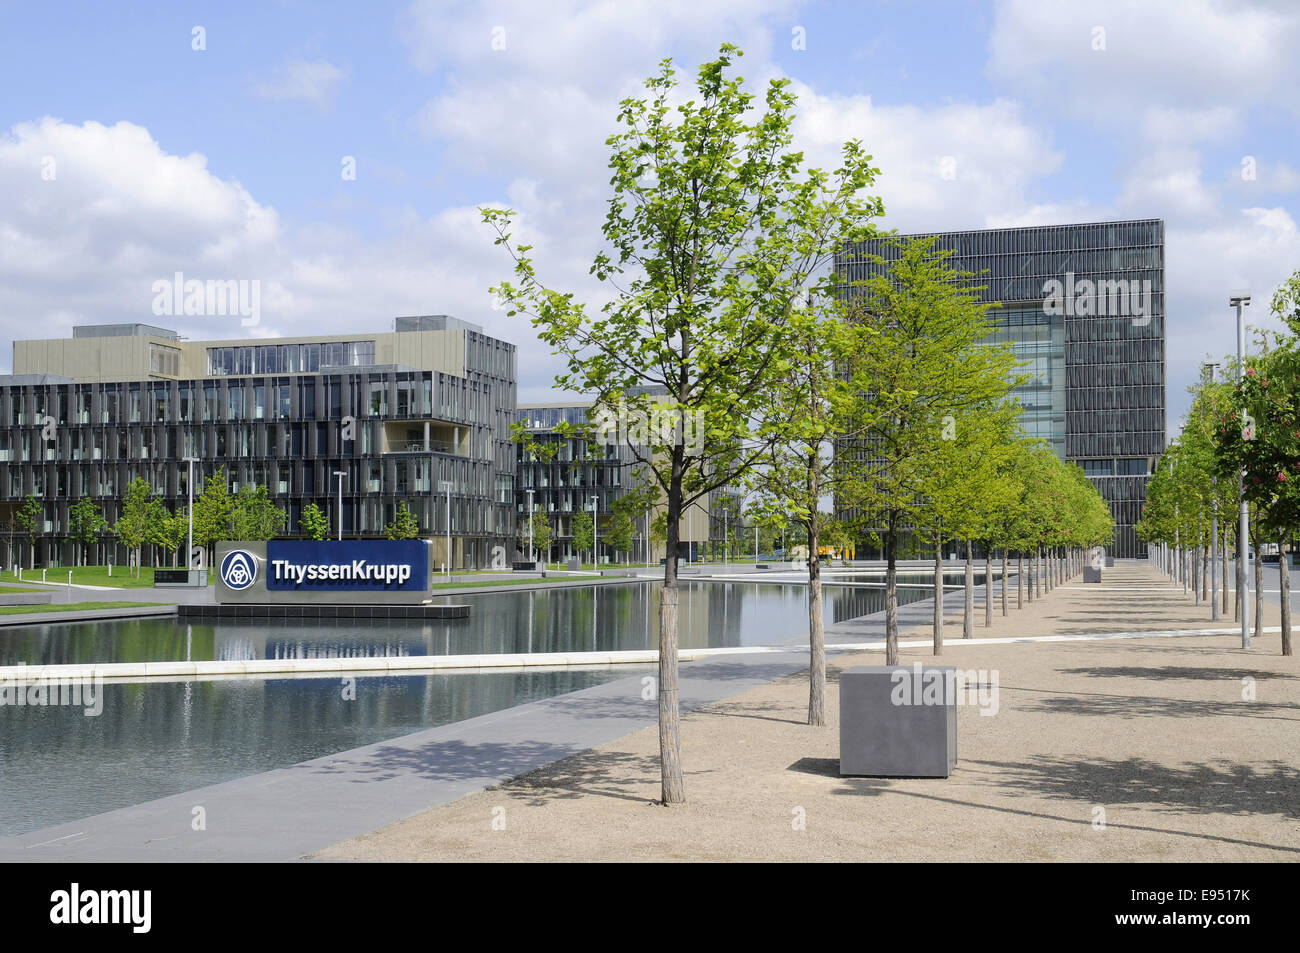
[[574, 476], [420, 415], [1084, 307]]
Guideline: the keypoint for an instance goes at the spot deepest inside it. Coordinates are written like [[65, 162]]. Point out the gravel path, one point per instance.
[[1143, 749]]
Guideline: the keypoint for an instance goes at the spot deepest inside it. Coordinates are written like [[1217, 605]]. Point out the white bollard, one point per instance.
[[43, 571]]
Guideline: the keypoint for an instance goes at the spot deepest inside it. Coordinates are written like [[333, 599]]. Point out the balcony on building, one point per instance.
[[425, 436]]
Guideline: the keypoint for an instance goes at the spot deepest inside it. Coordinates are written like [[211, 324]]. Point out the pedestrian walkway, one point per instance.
[[1067, 735]]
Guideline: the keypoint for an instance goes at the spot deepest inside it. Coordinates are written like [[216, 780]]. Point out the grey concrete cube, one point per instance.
[[898, 721], [1091, 574]]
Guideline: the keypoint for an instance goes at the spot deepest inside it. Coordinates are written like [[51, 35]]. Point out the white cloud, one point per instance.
[[309, 81], [946, 167], [1192, 54], [121, 213]]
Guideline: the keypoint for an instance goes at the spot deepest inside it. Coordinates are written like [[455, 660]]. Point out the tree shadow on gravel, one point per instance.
[[1137, 706], [615, 774], [1172, 672], [1215, 787]]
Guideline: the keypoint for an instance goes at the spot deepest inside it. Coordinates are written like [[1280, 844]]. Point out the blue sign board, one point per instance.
[[370, 565]]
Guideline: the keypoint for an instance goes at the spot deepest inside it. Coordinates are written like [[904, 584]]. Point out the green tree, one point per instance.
[[253, 515], [212, 510], [823, 399], [620, 529], [404, 524], [313, 523], [715, 229], [85, 523], [138, 522], [928, 361], [969, 482], [31, 517], [1263, 442], [169, 530], [542, 535], [583, 530]]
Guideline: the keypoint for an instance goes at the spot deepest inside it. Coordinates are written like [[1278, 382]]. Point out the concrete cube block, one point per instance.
[[1091, 574], [898, 721]]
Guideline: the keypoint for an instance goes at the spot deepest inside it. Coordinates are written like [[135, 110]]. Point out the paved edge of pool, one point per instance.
[[85, 615]]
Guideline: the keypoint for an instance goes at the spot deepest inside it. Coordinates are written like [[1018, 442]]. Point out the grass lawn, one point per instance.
[[5, 589], [86, 575], [75, 607], [502, 582]]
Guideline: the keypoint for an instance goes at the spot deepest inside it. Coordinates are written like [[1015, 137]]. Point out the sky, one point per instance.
[[338, 153]]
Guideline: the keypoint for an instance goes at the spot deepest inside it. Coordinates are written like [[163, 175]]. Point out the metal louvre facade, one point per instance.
[[1083, 306], [399, 433]]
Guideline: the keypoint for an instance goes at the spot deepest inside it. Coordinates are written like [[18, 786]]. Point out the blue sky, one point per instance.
[[225, 162]]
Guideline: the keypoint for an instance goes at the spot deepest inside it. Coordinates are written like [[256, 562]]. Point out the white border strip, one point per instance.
[[427, 663]]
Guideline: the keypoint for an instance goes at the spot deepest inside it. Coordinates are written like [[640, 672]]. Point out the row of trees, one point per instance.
[[717, 253], [1244, 424], [145, 521]]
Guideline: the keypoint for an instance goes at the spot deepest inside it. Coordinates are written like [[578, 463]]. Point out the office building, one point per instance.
[[1083, 306], [419, 415]]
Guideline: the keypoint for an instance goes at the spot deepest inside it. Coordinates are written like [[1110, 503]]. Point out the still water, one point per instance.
[[160, 738], [557, 620]]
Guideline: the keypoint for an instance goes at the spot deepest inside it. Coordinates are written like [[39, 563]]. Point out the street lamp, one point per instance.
[[1239, 301], [445, 486], [595, 533], [531, 556], [340, 474], [189, 487]]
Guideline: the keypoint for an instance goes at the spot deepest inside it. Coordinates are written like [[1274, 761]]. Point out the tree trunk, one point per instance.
[[1259, 589], [1223, 567], [891, 591], [1284, 591], [1020, 580], [816, 632], [670, 748], [1004, 581], [938, 597], [988, 587], [1238, 576], [1196, 576], [1205, 574], [968, 609]]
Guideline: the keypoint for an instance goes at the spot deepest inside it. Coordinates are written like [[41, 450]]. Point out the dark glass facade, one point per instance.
[[1083, 306], [398, 433]]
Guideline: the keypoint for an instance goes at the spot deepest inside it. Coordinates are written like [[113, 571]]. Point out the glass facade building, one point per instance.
[[1083, 308], [400, 433]]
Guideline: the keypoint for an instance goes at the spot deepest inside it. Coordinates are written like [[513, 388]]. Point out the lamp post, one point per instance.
[[445, 486], [531, 558], [340, 474], [189, 539], [1240, 301], [595, 534]]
